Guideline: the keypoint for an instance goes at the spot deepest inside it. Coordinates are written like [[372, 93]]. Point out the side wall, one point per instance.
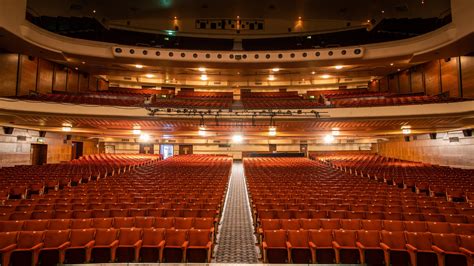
[[435, 151]]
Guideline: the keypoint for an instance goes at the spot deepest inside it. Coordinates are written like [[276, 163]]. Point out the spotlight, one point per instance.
[[66, 128], [335, 132], [313, 72], [202, 69], [272, 131], [202, 132], [203, 77], [136, 131], [338, 67], [139, 66], [271, 78], [276, 69], [144, 137], [149, 76], [406, 130], [325, 76], [328, 139], [237, 138]]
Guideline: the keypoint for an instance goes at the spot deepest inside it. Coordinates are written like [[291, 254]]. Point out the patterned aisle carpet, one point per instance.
[[236, 242]]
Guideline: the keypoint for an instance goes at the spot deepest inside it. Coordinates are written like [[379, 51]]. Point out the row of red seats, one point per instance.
[[85, 99], [370, 247], [275, 103], [192, 103], [117, 222], [266, 95], [205, 95], [387, 101], [105, 245], [132, 91], [341, 92]]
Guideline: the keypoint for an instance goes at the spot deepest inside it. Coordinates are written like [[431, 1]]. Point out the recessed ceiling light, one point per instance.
[[83, 62], [276, 69], [94, 11], [313, 72], [338, 67], [76, 68], [368, 21], [66, 128], [237, 138], [271, 77], [272, 131], [136, 131], [144, 137], [328, 138], [299, 18], [202, 69], [391, 64], [149, 76], [383, 11], [398, 69], [325, 76], [203, 77], [139, 66], [202, 132], [175, 17]]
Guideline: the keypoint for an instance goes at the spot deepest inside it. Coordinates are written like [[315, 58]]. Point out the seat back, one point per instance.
[[346, 238], [164, 222], [81, 223], [28, 239], [55, 238], [59, 224], [124, 222], [308, 224], [420, 240], [35, 225], [144, 222], [392, 225], [321, 238], [369, 238], [298, 238], [102, 222], [371, 225], [436, 227], [183, 222], [415, 226], [395, 240], [467, 242], [80, 237], [199, 237], [447, 242], [275, 238], [203, 223], [105, 237], [175, 237], [270, 224], [350, 224], [153, 236], [330, 223], [11, 226], [7, 238], [129, 236]]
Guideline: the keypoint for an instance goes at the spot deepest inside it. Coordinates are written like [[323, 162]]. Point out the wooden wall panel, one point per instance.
[[393, 83], [103, 85], [439, 151], [72, 81], [92, 83], [28, 71], [8, 74], [404, 78], [449, 76], [60, 76], [83, 82], [417, 80], [383, 84], [467, 65], [432, 80], [45, 76], [373, 85]]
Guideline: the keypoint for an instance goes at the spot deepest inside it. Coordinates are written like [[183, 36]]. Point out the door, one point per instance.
[[147, 148], [185, 149], [272, 148], [39, 154], [77, 150], [166, 150]]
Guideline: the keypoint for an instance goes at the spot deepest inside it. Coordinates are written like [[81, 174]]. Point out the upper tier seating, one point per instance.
[[91, 98], [182, 194], [276, 100], [334, 209]]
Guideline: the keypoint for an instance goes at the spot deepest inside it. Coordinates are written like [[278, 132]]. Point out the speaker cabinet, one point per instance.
[[42, 134], [467, 132], [407, 138], [432, 135], [8, 130]]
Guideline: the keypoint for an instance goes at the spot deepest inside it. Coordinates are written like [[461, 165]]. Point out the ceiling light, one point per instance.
[[203, 77], [202, 132], [398, 69], [175, 17], [299, 18], [328, 139], [272, 131], [325, 76], [202, 69], [383, 11], [338, 67], [237, 138], [136, 130], [149, 76], [94, 11], [139, 66], [335, 132], [144, 137], [368, 21], [406, 130], [66, 128], [391, 64], [83, 62], [313, 72], [271, 77], [76, 68], [276, 69]]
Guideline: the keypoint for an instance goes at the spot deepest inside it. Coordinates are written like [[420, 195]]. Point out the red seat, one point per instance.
[[419, 247], [11, 226], [298, 247], [274, 246], [394, 247], [105, 246], [390, 225], [144, 222], [200, 246], [183, 222], [82, 241], [28, 248], [308, 224], [462, 229], [102, 223], [164, 222], [349, 224], [124, 222], [129, 244], [372, 225], [55, 244], [466, 244], [415, 226], [290, 224], [7, 245], [321, 244], [448, 250], [344, 244], [175, 245], [368, 243], [35, 225], [153, 244], [59, 224], [81, 223], [330, 223], [436, 227]]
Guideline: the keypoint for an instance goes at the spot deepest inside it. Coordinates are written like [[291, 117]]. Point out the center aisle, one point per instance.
[[236, 242]]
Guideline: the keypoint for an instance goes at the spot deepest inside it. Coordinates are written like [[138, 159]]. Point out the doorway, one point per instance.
[[166, 150], [77, 150], [185, 149], [147, 148], [304, 149], [39, 154]]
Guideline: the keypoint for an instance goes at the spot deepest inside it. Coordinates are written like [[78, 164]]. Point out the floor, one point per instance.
[[236, 241]]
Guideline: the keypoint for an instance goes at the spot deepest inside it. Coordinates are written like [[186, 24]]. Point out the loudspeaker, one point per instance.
[[68, 137], [432, 135], [407, 138], [467, 132], [8, 130], [42, 134]]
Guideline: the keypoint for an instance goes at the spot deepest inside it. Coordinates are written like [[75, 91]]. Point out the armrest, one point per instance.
[[336, 245], [288, 245], [312, 245], [264, 245], [138, 244], [185, 245], [114, 244], [384, 247], [359, 245], [37, 246], [161, 244], [209, 245], [8, 248], [90, 244], [437, 249], [64, 245], [411, 248], [466, 251]]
